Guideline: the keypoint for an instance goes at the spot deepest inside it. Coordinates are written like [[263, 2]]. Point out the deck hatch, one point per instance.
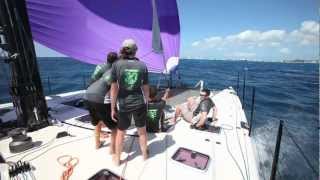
[[105, 174], [191, 158]]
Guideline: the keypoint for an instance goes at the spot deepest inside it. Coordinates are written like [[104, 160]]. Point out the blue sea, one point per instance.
[[288, 92]]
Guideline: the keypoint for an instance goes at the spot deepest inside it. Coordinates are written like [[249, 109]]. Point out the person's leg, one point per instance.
[[119, 146], [113, 141], [97, 131], [139, 116], [177, 114], [123, 124], [201, 120], [143, 142], [103, 135], [95, 121]]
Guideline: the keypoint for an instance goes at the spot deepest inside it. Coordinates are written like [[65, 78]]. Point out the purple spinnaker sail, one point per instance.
[[88, 29]]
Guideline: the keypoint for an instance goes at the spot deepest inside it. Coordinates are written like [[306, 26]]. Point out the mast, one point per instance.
[[25, 83]]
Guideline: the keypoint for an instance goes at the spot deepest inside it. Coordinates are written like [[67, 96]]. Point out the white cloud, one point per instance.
[[245, 36], [272, 35], [257, 38], [285, 50], [275, 44], [211, 42], [249, 38], [213, 39], [310, 27], [269, 43], [308, 34], [196, 43]]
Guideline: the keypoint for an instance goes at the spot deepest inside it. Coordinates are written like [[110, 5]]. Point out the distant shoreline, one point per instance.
[[264, 61], [298, 61]]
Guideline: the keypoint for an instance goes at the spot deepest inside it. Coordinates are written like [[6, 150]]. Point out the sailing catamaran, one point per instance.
[[86, 30]]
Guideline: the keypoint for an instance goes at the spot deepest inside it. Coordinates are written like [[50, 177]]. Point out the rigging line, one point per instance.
[[302, 153], [132, 135], [68, 127], [38, 149], [28, 43], [24, 49], [165, 66], [58, 146], [32, 175], [233, 158], [246, 151], [245, 163], [25, 177], [25, 44], [146, 54]]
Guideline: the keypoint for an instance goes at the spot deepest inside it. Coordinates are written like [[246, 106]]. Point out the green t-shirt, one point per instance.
[[97, 91], [131, 75], [99, 71]]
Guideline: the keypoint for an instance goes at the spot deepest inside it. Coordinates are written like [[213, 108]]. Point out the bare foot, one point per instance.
[[98, 145]]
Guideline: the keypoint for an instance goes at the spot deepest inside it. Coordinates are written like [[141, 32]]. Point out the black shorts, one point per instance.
[[139, 116], [100, 112]]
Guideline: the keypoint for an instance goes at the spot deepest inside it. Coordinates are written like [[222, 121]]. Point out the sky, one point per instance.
[[271, 30]]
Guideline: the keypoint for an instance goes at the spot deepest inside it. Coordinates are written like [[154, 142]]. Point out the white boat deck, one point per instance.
[[230, 151]]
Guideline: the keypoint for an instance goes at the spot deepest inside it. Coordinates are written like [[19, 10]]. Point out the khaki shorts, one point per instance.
[[188, 108]]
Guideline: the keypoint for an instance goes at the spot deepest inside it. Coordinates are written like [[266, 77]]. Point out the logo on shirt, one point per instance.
[[130, 77], [152, 114]]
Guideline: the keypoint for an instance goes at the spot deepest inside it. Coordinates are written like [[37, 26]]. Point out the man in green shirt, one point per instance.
[[129, 89]]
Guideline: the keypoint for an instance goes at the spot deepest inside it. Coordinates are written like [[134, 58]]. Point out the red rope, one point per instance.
[[69, 163]]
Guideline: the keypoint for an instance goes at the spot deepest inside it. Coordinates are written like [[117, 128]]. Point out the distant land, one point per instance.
[[255, 60], [301, 61], [283, 61]]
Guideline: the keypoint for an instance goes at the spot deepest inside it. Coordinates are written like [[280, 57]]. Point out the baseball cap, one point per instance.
[[129, 43]]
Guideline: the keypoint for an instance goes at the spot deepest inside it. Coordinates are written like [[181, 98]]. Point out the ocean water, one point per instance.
[[288, 92]]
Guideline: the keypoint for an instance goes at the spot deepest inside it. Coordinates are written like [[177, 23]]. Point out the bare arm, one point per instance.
[[145, 89], [203, 118], [166, 94], [114, 95]]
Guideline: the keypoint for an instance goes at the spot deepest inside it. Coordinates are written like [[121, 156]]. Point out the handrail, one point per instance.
[[244, 87], [276, 152], [252, 109]]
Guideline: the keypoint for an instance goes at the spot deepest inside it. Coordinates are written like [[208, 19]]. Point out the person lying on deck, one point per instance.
[[155, 114], [196, 111]]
